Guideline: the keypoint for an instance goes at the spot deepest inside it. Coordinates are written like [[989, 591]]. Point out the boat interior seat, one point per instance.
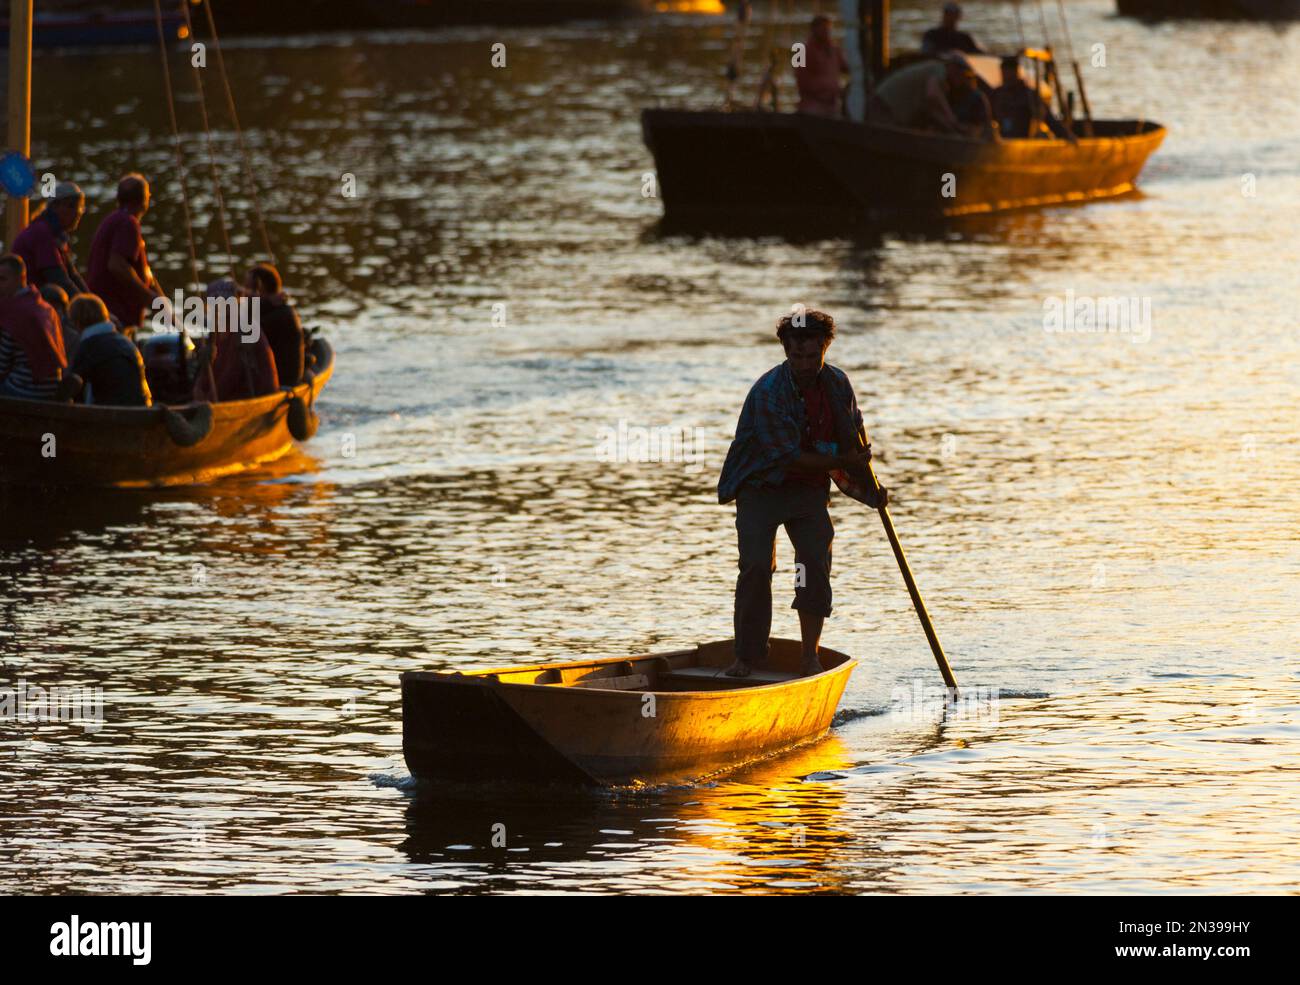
[[715, 677]]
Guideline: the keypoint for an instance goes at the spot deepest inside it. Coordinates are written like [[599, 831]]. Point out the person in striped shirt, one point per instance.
[[32, 359]]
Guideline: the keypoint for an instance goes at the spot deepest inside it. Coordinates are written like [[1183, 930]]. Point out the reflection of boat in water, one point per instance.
[[761, 829], [48, 443], [717, 165], [1263, 10], [659, 718]]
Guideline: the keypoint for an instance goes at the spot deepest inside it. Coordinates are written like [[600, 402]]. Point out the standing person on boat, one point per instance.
[[820, 78], [1016, 106], [280, 323], [118, 270], [946, 37], [32, 359], [799, 428], [45, 245], [108, 363], [926, 95]]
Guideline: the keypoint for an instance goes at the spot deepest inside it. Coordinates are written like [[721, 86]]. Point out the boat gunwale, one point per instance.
[[481, 678], [146, 416]]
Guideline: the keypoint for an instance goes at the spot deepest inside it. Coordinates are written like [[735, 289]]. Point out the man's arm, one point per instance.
[[57, 275], [936, 100], [1055, 125], [125, 273]]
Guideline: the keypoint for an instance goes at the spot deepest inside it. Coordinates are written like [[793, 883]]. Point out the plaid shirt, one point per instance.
[[768, 435]]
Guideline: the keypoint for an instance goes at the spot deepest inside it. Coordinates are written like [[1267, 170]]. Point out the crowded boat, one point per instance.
[[113, 337]]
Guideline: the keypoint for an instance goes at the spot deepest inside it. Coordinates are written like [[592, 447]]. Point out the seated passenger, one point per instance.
[[56, 299], [1016, 105], [279, 321], [946, 37], [971, 107], [109, 364], [44, 244], [922, 96], [233, 365], [32, 359], [818, 79]]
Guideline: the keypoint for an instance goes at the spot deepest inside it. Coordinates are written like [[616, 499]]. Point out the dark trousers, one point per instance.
[[801, 509]]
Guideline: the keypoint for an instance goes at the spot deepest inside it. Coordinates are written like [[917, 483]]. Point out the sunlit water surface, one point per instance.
[[1104, 528]]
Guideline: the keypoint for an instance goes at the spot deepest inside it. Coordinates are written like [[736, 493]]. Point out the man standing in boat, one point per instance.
[[799, 428], [946, 37], [820, 77], [119, 270]]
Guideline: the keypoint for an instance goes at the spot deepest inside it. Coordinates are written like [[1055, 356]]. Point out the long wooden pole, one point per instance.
[[20, 103], [935, 647]]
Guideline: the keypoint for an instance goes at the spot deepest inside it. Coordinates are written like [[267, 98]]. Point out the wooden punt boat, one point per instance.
[[659, 718], [45, 443], [790, 167]]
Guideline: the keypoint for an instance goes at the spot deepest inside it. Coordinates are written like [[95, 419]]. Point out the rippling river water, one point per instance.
[[1104, 528]]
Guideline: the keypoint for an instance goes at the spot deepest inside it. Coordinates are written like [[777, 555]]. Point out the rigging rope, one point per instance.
[[176, 143], [1065, 28], [1042, 20], [212, 157], [239, 134], [1020, 27]]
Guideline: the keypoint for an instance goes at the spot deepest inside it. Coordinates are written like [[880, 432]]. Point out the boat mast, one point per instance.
[[866, 49], [879, 40], [20, 102], [855, 53]]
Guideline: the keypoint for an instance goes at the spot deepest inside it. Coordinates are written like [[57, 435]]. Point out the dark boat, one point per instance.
[[1260, 10], [659, 718], [46, 443], [92, 29], [236, 17], [721, 166], [795, 166]]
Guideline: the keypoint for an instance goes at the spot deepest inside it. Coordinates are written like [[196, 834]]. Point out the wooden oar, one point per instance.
[[912, 590]]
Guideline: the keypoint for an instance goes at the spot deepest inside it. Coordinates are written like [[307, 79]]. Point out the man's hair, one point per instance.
[[85, 310], [819, 19], [67, 191], [56, 297], [130, 190], [266, 277], [1011, 63], [806, 322], [15, 263]]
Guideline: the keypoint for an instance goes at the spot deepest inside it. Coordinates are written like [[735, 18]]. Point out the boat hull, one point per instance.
[[45, 443], [478, 727], [794, 167]]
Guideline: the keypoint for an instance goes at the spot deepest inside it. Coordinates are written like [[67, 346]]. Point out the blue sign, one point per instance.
[[16, 175]]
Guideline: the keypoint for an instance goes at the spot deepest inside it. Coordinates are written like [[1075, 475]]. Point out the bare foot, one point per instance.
[[738, 669], [811, 666]]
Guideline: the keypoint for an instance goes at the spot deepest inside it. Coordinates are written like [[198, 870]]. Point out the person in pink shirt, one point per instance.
[[119, 270], [821, 89]]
